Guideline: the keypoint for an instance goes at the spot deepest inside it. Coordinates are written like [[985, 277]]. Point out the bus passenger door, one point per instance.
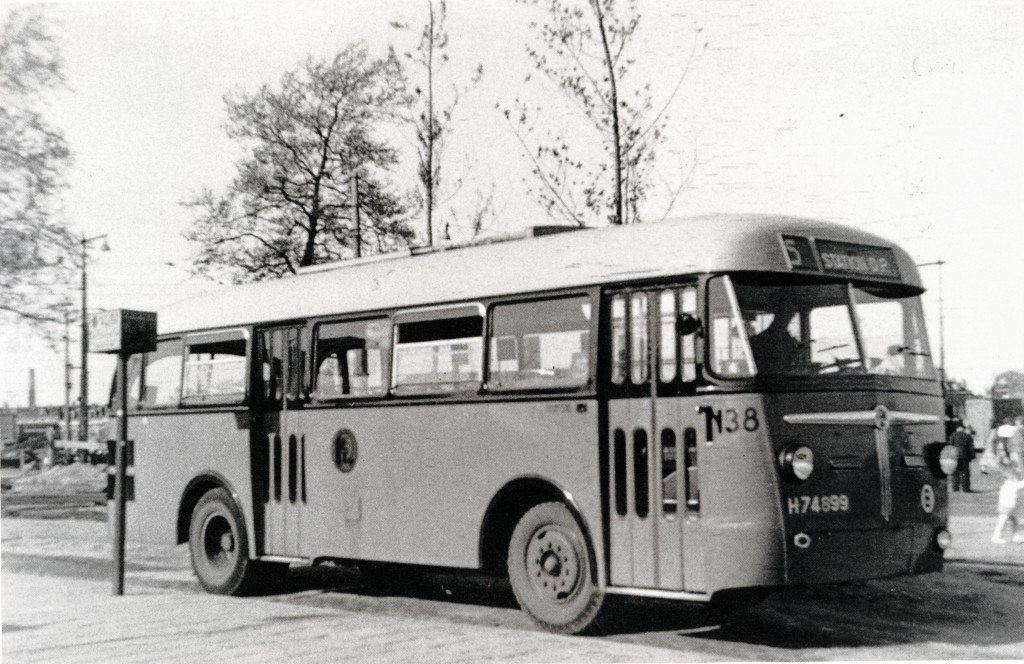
[[653, 488], [279, 447]]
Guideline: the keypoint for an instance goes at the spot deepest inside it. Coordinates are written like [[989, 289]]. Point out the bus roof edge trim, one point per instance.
[[531, 231]]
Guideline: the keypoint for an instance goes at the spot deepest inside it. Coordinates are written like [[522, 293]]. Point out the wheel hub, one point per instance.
[[553, 564], [218, 541]]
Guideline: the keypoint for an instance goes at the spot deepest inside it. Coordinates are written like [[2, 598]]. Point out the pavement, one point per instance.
[[163, 618], [52, 620]]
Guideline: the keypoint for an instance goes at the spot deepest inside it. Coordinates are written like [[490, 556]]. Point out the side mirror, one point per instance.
[[687, 324]]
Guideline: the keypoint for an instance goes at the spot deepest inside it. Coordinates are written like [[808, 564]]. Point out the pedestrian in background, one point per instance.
[[1006, 512], [1008, 435], [963, 441], [1010, 451]]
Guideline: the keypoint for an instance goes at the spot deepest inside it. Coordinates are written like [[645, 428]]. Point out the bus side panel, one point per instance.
[[740, 509], [172, 449], [424, 475]]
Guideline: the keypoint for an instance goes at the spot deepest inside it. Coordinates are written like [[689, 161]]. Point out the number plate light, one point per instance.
[[797, 462]]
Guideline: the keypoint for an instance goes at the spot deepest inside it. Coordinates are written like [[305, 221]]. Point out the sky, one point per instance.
[[904, 119]]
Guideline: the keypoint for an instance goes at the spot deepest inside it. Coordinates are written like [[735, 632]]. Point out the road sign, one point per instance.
[[122, 331]]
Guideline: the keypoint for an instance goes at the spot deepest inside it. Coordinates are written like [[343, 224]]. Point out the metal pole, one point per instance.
[[355, 215], [120, 461], [83, 381], [942, 329], [942, 332], [67, 375]]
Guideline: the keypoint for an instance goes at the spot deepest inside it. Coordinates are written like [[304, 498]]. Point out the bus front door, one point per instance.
[[279, 447], [653, 486]]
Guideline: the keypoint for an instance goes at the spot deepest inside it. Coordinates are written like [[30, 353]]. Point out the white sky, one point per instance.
[[906, 119]]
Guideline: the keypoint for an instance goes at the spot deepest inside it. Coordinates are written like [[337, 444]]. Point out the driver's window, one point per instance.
[[730, 353]]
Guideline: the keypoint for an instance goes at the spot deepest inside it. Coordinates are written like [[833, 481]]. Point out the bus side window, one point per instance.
[[688, 305], [541, 344], [215, 368], [161, 377], [669, 340], [439, 351], [638, 339], [350, 358], [619, 352]]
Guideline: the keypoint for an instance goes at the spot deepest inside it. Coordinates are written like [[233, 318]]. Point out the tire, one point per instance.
[[549, 568], [219, 546]]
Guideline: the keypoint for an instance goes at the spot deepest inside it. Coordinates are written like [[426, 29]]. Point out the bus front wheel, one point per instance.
[[218, 544], [550, 571]]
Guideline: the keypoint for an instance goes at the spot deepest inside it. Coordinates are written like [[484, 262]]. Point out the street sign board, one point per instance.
[[122, 331]]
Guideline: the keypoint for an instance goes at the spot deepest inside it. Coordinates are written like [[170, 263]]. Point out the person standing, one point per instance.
[[963, 441]]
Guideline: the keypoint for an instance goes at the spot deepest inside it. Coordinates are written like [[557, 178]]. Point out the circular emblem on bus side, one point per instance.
[[345, 450], [928, 498]]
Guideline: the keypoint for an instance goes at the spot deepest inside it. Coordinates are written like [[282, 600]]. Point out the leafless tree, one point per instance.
[[290, 203], [37, 249], [433, 112], [582, 47]]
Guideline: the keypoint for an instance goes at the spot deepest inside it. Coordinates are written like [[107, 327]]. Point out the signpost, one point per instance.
[[123, 332]]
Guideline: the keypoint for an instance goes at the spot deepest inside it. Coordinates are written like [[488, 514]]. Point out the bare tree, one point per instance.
[[290, 204], [581, 48], [36, 246], [432, 116]]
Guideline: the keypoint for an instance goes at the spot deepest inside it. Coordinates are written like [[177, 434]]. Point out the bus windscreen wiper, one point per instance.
[[894, 350]]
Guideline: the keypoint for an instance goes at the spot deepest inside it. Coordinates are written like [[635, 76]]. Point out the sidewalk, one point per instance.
[[46, 619]]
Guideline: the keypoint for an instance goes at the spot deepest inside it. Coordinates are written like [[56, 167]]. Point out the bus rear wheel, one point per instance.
[[550, 571], [219, 547]]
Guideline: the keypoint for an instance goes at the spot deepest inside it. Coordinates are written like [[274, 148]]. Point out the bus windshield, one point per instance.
[[810, 329]]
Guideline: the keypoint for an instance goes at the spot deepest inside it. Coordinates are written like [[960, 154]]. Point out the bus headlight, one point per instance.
[[943, 539], [949, 459], [797, 462]]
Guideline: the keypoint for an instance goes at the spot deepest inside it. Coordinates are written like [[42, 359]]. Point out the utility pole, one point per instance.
[[83, 380], [83, 416], [942, 325], [355, 216], [67, 375]]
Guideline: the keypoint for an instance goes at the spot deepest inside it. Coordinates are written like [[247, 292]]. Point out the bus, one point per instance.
[[680, 410]]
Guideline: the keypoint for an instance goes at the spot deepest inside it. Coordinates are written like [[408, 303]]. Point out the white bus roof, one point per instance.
[[720, 243]]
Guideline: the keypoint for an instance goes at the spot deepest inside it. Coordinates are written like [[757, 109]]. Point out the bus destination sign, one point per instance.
[[840, 258], [857, 259]]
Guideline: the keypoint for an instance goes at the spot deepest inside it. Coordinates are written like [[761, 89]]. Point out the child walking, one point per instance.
[[1007, 509]]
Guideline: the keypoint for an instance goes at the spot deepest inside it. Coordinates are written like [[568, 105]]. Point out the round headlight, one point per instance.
[[797, 462], [949, 459], [943, 539]]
